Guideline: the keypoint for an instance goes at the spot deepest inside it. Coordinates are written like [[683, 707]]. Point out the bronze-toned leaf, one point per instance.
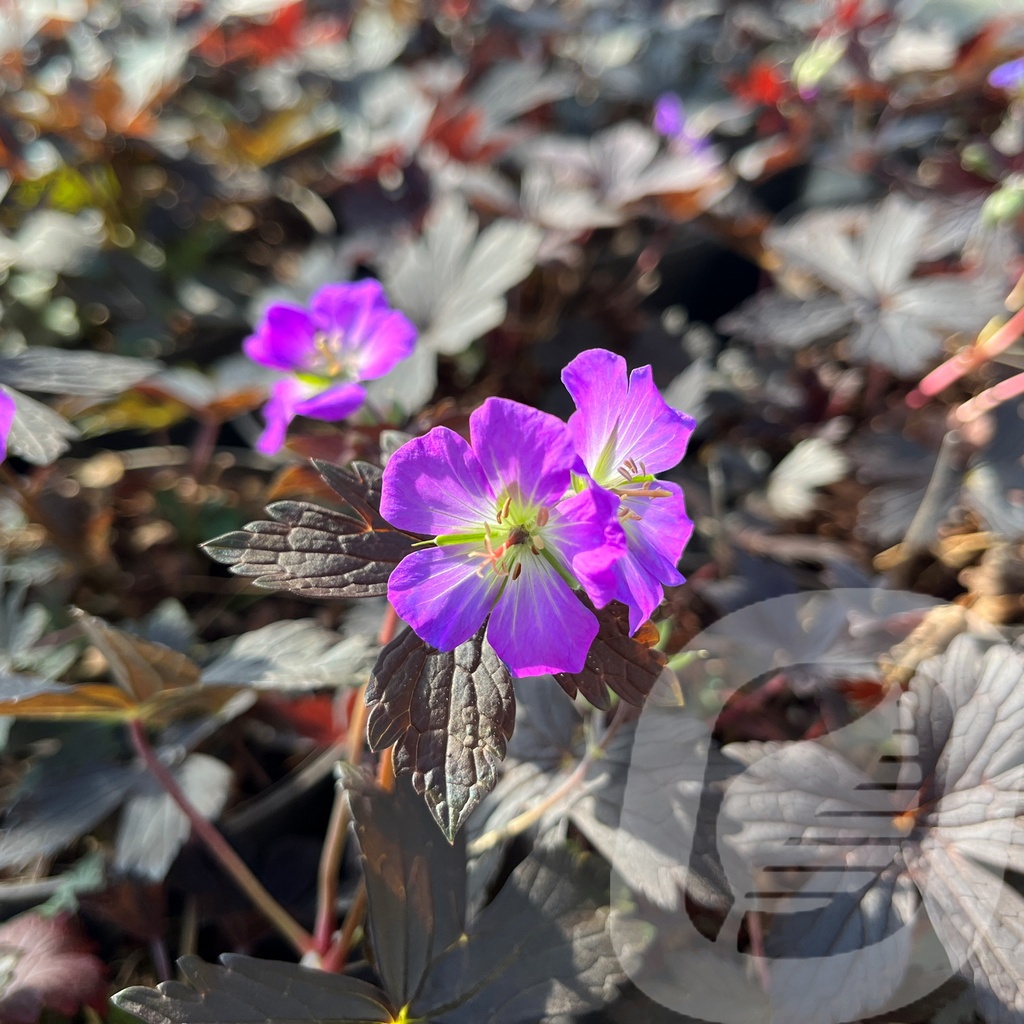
[[319, 552], [449, 715], [629, 665], [143, 668], [92, 701]]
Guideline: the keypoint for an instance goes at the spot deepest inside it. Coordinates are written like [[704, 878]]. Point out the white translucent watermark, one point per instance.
[[831, 879]]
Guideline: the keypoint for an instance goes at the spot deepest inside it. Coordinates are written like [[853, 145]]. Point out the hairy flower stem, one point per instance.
[[218, 846]]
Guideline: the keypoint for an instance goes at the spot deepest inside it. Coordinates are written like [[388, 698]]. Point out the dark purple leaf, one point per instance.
[[247, 991], [448, 714], [415, 883], [540, 950], [60, 804], [319, 552], [615, 661]]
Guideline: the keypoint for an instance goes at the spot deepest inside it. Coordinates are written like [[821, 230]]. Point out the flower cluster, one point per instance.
[[349, 334], [532, 510]]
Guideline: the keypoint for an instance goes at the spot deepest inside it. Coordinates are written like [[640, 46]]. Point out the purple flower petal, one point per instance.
[[394, 338], [617, 420], [522, 448], [585, 531], [349, 308], [1009, 75], [439, 593], [658, 536], [279, 412], [285, 339], [370, 336], [334, 403], [435, 485], [539, 624], [638, 589], [7, 411], [656, 541]]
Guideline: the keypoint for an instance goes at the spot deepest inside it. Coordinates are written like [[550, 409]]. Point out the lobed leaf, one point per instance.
[[449, 715], [319, 552], [539, 950], [248, 991]]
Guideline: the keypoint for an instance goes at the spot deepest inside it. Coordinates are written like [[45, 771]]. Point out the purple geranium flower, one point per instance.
[[7, 410], [349, 334], [625, 433], [513, 540]]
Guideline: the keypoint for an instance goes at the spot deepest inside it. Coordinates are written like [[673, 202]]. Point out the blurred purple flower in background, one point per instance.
[[625, 433], [349, 334], [669, 119], [513, 540], [1009, 75], [7, 409], [671, 123]]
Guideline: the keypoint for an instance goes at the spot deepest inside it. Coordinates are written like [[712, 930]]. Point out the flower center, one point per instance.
[[330, 359], [523, 536]]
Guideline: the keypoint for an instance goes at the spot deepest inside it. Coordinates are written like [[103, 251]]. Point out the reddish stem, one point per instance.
[[218, 846], [1012, 387], [966, 360], [337, 828]]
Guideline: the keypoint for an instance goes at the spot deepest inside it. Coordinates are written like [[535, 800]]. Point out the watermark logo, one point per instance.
[[831, 879]]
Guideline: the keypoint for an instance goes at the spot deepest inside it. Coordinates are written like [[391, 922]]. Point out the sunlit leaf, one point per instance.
[[153, 827], [318, 552], [60, 372], [448, 714], [38, 434], [53, 242], [452, 282], [813, 463], [92, 701], [296, 654]]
